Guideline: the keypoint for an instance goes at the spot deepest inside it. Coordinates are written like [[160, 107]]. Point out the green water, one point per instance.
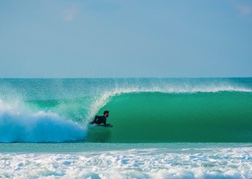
[[163, 128], [141, 110], [161, 117]]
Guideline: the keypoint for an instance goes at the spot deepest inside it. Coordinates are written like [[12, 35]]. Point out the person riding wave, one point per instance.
[[102, 119]]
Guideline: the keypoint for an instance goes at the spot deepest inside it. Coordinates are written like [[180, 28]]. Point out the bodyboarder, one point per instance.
[[98, 120]]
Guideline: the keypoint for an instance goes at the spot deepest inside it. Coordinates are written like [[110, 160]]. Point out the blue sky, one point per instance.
[[125, 38]]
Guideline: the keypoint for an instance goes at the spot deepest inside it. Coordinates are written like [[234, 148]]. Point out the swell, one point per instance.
[[142, 110], [189, 117]]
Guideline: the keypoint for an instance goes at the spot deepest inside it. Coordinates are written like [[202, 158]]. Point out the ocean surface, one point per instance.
[[162, 128]]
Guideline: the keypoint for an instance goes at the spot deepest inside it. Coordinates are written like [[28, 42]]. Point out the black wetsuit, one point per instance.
[[99, 120]]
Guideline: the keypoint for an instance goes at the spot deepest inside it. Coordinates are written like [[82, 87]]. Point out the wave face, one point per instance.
[[196, 117], [142, 110]]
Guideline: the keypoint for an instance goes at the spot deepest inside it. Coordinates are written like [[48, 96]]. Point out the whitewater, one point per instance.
[[163, 128]]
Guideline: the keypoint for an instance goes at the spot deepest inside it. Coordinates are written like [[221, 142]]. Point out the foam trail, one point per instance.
[[223, 163], [23, 126]]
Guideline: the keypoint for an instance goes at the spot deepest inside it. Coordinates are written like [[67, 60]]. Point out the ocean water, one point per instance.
[[163, 128]]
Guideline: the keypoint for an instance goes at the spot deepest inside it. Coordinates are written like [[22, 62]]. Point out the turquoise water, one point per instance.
[[142, 110], [187, 128], [197, 117]]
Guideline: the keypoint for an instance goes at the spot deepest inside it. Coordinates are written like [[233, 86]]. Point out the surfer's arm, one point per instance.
[[105, 123], [93, 120]]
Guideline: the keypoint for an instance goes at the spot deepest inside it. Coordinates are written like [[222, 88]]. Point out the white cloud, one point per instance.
[[244, 9], [70, 13]]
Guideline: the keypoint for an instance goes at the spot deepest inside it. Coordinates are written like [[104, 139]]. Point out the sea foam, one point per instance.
[[18, 124], [134, 163]]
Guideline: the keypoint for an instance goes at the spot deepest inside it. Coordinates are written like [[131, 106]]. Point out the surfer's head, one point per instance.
[[106, 113]]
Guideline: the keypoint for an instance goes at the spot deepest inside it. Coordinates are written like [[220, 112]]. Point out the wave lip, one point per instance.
[[101, 100], [106, 96], [183, 88]]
